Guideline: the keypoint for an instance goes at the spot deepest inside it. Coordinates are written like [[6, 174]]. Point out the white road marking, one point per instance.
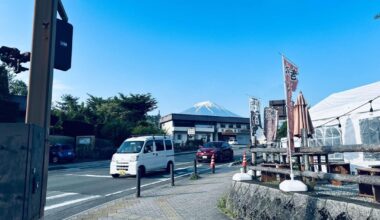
[[108, 176], [182, 163], [70, 202], [60, 195], [89, 175], [155, 182]]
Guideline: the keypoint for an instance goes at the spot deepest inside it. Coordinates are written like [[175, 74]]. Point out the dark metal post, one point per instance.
[[138, 182], [299, 162], [195, 167], [319, 163], [172, 173], [327, 163], [213, 168], [254, 162]]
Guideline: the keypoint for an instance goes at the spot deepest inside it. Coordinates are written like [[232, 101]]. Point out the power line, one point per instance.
[[347, 113]]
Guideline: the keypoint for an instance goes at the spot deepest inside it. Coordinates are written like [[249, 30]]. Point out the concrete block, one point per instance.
[[375, 214], [336, 209], [358, 212]]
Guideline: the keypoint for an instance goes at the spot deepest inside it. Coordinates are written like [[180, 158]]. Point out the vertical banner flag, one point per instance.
[[291, 81], [270, 123], [255, 123]]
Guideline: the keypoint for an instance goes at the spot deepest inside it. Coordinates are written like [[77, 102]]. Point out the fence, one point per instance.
[[305, 169]]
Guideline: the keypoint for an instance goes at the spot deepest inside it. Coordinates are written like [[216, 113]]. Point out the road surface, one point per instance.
[[73, 188]]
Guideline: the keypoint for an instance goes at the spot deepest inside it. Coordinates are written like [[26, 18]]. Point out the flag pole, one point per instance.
[[290, 185], [287, 121]]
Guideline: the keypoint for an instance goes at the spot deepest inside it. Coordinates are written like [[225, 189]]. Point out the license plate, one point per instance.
[[122, 172], [204, 157]]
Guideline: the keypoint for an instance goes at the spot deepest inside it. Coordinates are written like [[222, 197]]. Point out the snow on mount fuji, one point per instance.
[[209, 108]]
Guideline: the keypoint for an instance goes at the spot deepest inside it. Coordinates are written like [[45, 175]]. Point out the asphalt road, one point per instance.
[[73, 188]]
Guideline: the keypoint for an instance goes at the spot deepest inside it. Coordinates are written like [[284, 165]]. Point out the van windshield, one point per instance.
[[130, 147]]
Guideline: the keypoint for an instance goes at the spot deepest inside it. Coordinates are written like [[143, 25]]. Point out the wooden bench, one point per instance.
[[339, 168], [269, 177], [366, 189]]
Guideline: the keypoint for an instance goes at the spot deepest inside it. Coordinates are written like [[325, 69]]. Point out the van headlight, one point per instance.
[[134, 158], [113, 158]]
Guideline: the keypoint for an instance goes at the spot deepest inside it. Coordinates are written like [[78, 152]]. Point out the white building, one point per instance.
[[208, 122]]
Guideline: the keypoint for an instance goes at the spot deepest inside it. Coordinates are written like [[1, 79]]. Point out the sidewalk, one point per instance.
[[189, 199]]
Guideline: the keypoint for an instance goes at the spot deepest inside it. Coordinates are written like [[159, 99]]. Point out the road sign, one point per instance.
[[191, 131]]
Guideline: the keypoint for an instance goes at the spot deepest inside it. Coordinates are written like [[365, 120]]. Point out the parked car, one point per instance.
[[222, 152], [232, 142], [142, 154], [61, 152]]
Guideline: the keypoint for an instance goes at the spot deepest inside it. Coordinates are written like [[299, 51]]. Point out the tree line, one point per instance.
[[115, 118]]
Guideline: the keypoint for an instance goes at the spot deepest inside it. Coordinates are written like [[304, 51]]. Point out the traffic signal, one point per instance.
[[13, 58]]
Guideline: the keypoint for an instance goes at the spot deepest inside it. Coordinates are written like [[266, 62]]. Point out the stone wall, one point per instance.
[[254, 201]]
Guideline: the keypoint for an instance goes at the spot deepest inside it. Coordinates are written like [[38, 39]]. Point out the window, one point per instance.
[[329, 136], [179, 137], [222, 125], [169, 145], [159, 145], [238, 126], [370, 134], [130, 147], [230, 126], [148, 147]]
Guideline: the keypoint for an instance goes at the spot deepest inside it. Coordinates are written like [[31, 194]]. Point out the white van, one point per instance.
[[148, 153]]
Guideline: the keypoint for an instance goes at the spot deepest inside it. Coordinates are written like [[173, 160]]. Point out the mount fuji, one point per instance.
[[209, 108]]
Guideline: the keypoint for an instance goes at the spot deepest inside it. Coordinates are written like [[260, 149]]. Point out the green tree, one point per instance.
[[135, 107], [282, 131], [69, 108], [9, 85], [18, 87], [144, 128], [115, 118]]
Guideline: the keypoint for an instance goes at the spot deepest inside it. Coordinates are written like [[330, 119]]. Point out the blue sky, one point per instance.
[[184, 52]]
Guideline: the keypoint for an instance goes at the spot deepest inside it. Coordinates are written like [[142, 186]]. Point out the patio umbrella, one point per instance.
[[302, 118]]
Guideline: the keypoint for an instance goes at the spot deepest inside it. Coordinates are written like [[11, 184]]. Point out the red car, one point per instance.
[[222, 152]]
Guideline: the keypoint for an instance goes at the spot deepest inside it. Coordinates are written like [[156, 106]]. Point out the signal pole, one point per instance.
[[41, 79]]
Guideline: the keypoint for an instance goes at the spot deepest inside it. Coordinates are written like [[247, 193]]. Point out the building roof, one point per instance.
[[205, 118]]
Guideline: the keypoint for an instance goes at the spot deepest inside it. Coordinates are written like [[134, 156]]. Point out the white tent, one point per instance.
[[358, 124]]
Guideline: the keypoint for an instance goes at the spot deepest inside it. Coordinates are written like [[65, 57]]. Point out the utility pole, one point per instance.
[[24, 146], [41, 78]]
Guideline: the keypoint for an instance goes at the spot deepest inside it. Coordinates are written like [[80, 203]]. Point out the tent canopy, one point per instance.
[[340, 103]]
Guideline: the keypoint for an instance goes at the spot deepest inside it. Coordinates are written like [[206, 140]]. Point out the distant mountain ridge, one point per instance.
[[209, 108]]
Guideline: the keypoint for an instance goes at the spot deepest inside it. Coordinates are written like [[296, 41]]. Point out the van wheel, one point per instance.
[[115, 175], [168, 166], [141, 171]]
